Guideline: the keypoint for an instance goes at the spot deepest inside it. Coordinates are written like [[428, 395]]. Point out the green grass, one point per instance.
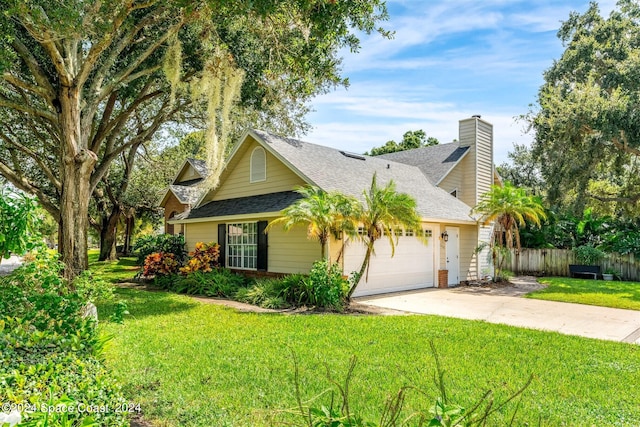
[[121, 271], [592, 292], [194, 364]]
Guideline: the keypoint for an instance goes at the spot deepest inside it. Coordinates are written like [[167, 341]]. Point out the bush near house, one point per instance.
[[323, 287], [52, 354], [165, 243], [204, 258]]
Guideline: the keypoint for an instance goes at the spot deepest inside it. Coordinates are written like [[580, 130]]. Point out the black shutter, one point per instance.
[[262, 246], [222, 241]]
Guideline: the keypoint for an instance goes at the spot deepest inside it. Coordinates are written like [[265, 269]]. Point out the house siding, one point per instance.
[[237, 183], [291, 251], [468, 258], [200, 232], [484, 150], [478, 136], [288, 251], [468, 241], [462, 180], [173, 205]]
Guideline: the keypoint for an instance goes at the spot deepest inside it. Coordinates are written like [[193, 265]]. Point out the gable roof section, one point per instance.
[[435, 161], [187, 192], [200, 166], [332, 170], [272, 202]]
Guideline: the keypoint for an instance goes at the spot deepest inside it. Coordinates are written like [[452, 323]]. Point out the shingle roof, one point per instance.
[[330, 170], [185, 194], [435, 161], [273, 202], [200, 166]]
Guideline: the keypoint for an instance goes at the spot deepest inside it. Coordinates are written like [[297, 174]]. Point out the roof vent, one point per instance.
[[353, 155], [388, 166], [476, 116]]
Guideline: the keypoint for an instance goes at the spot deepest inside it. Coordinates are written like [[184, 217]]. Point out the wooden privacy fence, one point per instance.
[[555, 262]]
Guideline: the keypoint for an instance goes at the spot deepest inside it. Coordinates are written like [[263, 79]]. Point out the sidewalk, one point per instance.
[[572, 319]]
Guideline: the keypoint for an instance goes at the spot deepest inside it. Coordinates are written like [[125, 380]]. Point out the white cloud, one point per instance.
[[450, 59]]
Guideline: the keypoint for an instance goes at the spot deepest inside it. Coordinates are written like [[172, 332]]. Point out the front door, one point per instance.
[[453, 255]]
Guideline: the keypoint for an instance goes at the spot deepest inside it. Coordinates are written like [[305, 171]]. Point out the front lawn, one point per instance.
[[193, 364], [122, 270], [592, 292]]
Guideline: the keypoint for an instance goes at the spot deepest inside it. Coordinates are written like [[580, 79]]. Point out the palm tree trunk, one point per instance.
[[363, 267]]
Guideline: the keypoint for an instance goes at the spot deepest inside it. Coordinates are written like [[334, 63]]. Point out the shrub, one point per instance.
[[18, 223], [49, 351], [92, 289], [203, 258], [264, 293], [165, 243], [325, 286], [160, 263], [588, 255], [167, 282], [217, 283]]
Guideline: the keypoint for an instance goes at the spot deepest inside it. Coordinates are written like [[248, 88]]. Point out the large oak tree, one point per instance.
[[587, 125], [84, 81]]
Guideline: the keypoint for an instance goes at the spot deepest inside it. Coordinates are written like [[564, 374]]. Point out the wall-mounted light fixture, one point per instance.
[[445, 236]]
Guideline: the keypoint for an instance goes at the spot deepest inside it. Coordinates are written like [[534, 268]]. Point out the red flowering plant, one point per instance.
[[160, 263], [204, 258]]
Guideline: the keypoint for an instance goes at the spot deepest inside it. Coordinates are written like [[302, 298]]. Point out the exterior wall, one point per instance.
[[454, 179], [236, 183], [478, 135], [468, 257], [173, 205], [291, 251], [187, 174], [484, 263], [484, 147], [288, 251], [468, 241], [462, 179], [200, 232]]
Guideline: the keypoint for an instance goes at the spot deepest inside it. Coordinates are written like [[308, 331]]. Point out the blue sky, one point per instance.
[[449, 59]]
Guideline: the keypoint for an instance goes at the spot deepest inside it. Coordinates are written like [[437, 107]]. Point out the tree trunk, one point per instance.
[[128, 232], [77, 165], [108, 236]]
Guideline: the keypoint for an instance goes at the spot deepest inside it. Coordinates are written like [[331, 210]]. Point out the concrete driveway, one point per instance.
[[511, 309]]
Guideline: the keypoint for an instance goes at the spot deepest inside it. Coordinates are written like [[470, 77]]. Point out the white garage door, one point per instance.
[[410, 268]]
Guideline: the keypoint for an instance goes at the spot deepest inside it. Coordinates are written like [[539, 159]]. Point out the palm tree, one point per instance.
[[324, 214], [510, 208], [384, 209]]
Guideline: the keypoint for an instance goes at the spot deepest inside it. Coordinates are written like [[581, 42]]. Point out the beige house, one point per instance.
[[263, 169]]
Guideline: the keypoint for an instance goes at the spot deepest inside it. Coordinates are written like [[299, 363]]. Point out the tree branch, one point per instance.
[[624, 145], [5, 102], [36, 157], [124, 42], [617, 199], [98, 48], [33, 65], [106, 116], [46, 40], [121, 76], [24, 185]]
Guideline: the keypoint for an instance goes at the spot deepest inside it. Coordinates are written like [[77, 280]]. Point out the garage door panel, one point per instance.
[[410, 268]]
